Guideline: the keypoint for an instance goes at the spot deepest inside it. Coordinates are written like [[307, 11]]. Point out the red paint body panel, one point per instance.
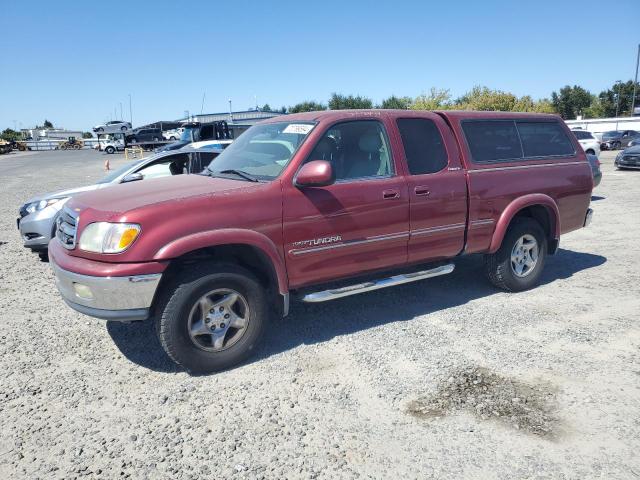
[[84, 266], [375, 223]]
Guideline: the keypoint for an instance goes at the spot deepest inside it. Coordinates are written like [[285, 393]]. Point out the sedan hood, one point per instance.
[[125, 197], [66, 193], [632, 150]]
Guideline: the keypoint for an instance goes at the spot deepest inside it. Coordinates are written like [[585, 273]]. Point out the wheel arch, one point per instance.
[[248, 248], [538, 206]]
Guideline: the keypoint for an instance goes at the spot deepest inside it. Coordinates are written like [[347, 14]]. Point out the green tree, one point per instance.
[[308, 106], [436, 99], [393, 102], [348, 102], [87, 135], [266, 108], [47, 124], [570, 102], [484, 99], [283, 109], [608, 99], [10, 135], [528, 104]]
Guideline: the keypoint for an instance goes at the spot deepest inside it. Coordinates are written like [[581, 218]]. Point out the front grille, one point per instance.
[[631, 159], [66, 228]]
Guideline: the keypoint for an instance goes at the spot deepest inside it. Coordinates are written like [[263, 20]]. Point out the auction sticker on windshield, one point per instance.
[[300, 128]]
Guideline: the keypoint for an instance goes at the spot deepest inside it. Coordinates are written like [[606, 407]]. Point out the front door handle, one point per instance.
[[422, 191], [390, 194]]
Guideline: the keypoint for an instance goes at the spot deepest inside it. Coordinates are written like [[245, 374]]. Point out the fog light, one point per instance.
[[83, 291]]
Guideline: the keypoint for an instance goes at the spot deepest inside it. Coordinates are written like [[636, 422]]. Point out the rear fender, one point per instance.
[[228, 236], [534, 199]]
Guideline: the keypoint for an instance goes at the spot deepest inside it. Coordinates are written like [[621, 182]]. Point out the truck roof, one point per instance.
[[332, 115]]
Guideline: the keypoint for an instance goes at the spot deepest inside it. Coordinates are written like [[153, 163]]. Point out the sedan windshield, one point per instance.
[[261, 152], [116, 173], [611, 134]]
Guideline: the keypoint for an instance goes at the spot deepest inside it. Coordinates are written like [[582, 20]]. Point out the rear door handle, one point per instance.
[[422, 191], [390, 194]]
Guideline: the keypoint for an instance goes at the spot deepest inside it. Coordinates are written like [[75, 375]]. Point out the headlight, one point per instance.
[[105, 237], [619, 156], [42, 204]]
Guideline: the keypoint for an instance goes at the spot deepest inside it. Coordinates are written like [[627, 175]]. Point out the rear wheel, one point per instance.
[[518, 264], [212, 317], [616, 146], [110, 150], [591, 152]]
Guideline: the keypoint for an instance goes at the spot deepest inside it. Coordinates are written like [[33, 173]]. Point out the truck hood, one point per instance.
[[121, 198]]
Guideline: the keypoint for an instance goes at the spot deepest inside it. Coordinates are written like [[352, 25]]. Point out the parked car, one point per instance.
[[628, 158], [37, 216], [595, 169], [589, 143], [112, 127], [173, 134], [315, 207], [617, 139], [142, 135]]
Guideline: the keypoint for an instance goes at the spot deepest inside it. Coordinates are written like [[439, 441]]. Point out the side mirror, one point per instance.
[[316, 173], [132, 177]]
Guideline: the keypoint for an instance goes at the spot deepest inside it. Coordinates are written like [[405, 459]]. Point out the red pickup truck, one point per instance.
[[317, 206]]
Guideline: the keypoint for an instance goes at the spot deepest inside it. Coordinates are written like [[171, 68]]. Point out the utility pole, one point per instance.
[[619, 82], [204, 95], [635, 84], [230, 112], [130, 112], [121, 116]]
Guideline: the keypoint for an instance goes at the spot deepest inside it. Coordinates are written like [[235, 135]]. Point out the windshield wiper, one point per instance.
[[240, 173]]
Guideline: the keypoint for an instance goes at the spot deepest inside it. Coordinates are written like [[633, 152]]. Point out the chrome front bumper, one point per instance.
[[110, 298]]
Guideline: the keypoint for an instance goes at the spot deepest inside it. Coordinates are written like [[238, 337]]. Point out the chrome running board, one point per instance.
[[334, 293]]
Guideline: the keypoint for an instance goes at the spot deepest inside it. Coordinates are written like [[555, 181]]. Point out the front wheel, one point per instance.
[[212, 317], [518, 263]]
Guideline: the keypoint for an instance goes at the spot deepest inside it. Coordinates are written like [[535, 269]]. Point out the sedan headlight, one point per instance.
[[105, 237], [42, 204]]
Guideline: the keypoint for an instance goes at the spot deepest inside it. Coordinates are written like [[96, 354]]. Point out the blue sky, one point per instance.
[[75, 62]]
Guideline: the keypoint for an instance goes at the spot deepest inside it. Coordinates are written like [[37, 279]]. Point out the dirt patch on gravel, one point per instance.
[[490, 396]]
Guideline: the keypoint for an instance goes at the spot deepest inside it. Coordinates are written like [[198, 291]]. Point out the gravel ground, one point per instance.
[[445, 378]]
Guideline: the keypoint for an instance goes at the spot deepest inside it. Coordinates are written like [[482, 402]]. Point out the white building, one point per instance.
[[598, 126]]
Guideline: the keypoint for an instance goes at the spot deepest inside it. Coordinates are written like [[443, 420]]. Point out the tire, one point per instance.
[[44, 256], [590, 152], [173, 138], [616, 146], [179, 315], [500, 268], [123, 128], [110, 150]]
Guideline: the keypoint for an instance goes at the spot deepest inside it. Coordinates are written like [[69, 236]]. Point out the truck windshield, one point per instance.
[[189, 135], [262, 151]]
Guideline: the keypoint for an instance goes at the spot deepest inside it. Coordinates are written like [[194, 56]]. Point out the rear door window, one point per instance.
[[544, 139], [492, 140], [423, 145]]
